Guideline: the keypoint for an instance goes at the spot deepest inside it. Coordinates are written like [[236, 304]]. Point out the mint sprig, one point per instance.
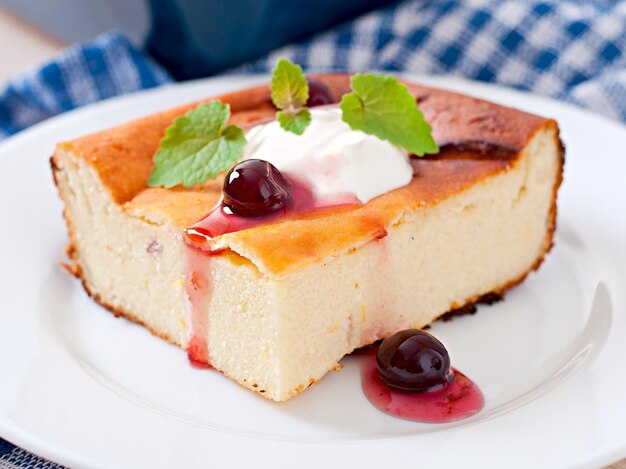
[[379, 105], [290, 92], [197, 147]]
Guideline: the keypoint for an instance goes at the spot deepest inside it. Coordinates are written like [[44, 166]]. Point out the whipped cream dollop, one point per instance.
[[334, 160]]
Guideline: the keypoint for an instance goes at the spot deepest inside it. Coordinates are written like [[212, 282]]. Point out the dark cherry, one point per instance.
[[413, 360], [255, 188], [319, 94]]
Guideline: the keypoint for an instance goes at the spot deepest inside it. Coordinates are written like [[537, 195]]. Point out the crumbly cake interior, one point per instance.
[[289, 300]]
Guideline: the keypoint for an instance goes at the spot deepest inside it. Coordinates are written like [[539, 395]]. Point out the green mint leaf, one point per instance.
[[290, 92], [379, 105], [295, 123], [197, 147], [289, 86]]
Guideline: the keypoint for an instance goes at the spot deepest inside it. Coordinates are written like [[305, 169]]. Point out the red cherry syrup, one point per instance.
[[198, 286], [460, 399], [303, 201]]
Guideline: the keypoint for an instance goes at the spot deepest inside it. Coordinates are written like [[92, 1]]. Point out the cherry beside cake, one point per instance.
[[312, 245], [412, 379]]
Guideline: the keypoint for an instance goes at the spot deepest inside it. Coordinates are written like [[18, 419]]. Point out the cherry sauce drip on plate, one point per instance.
[[409, 377]]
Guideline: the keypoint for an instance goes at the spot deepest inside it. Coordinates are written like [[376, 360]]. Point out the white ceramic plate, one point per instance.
[[88, 390]]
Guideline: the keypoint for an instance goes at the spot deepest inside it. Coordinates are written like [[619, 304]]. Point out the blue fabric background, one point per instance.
[[570, 50], [83, 74]]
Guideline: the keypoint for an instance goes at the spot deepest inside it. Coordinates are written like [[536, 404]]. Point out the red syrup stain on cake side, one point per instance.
[[460, 399], [198, 287], [219, 221]]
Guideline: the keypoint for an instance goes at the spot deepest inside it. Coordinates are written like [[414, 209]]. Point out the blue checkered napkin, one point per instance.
[[572, 50], [109, 66], [12, 457]]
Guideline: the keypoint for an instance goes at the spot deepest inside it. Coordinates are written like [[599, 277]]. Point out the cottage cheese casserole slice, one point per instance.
[[276, 306]]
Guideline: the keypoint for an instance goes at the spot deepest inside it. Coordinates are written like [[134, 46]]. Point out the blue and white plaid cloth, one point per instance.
[[571, 50], [83, 74], [568, 49]]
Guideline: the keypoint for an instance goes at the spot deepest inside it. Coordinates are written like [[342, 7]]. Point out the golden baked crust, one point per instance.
[[122, 156]]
